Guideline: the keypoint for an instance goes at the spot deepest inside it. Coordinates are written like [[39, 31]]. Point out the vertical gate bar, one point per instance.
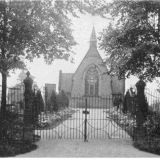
[[110, 128], [109, 115], [107, 121], [77, 123], [79, 119], [94, 114], [99, 118], [103, 117], [85, 122], [83, 116], [72, 126], [111, 103], [61, 126], [96, 122], [108, 112]]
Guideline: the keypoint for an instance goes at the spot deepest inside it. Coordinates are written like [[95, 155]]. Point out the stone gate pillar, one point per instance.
[[142, 106], [28, 118]]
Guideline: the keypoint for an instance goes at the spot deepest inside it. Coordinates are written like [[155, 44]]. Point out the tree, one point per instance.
[[62, 100], [53, 106], [132, 40], [30, 29], [38, 106], [40, 102]]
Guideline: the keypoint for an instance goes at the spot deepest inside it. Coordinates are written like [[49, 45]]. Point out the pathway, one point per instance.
[[92, 148], [98, 145], [98, 127]]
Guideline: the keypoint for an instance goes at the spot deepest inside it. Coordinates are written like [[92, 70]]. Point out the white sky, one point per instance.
[[82, 28]]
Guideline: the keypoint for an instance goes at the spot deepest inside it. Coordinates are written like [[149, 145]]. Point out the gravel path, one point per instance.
[[92, 148]]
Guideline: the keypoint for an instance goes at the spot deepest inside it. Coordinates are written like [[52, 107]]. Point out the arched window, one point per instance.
[[91, 82]]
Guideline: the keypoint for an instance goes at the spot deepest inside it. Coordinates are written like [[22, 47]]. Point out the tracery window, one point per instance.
[[91, 82]]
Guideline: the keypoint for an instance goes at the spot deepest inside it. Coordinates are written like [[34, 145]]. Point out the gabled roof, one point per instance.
[[92, 51]]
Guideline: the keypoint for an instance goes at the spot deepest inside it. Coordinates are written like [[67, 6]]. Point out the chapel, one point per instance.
[[91, 78]]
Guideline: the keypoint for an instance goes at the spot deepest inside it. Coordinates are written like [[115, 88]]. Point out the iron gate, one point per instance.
[[85, 118]]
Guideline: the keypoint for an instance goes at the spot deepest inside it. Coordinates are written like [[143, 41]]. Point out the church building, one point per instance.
[[91, 78]]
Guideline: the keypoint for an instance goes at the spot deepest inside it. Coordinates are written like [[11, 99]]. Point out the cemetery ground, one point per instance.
[[100, 147]]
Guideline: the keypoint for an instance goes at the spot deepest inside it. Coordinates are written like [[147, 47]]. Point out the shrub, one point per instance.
[[62, 100], [12, 149], [145, 144], [38, 106], [53, 106], [11, 136], [40, 102], [148, 138]]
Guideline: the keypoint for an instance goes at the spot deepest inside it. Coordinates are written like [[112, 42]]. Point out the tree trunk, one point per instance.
[[3, 102]]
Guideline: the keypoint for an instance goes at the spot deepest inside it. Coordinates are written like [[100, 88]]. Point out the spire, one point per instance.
[[93, 52], [93, 38]]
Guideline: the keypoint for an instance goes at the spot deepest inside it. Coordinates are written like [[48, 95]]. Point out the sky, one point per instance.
[[82, 28]]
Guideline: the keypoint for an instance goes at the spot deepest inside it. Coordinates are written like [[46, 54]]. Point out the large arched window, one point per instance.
[[91, 82]]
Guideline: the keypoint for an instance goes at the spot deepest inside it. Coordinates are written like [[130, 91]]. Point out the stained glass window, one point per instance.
[[91, 82]]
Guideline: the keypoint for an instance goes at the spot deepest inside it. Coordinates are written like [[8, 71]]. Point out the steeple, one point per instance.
[[93, 38], [92, 51]]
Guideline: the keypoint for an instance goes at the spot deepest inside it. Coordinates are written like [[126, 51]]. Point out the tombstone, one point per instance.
[[28, 97]]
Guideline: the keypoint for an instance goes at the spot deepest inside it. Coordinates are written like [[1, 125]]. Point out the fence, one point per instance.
[[14, 98], [89, 117], [153, 99]]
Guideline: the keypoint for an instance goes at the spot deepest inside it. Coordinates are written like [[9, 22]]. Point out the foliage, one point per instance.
[[12, 127], [38, 105], [152, 123], [40, 102], [53, 106], [30, 29], [132, 39], [13, 142], [7, 149], [148, 138], [62, 100], [149, 146]]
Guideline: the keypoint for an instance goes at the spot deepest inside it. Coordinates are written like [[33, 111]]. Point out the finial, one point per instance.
[[28, 74]]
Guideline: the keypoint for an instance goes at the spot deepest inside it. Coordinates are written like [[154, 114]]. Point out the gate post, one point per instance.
[[85, 121], [28, 118]]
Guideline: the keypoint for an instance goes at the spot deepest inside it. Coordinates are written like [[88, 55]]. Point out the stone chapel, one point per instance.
[[90, 78]]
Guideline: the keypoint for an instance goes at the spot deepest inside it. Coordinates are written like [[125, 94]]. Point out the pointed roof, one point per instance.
[[93, 45], [93, 37]]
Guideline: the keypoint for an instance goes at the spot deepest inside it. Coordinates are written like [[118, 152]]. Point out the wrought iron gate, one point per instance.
[[85, 118]]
